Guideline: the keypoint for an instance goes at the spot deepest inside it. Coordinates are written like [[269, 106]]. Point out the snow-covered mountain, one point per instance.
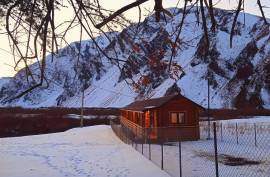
[[4, 80], [239, 76]]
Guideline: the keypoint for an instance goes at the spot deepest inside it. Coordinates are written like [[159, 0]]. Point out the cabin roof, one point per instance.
[[154, 103]]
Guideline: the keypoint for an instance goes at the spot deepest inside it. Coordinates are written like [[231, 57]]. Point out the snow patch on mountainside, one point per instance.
[[3, 81], [238, 76]]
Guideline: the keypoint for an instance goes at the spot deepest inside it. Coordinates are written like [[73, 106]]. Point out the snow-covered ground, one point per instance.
[[198, 156], [91, 151], [249, 120], [96, 151]]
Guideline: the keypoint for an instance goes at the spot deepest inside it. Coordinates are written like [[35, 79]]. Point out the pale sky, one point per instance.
[[6, 59]]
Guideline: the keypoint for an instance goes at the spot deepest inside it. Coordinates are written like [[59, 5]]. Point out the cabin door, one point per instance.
[[153, 124]]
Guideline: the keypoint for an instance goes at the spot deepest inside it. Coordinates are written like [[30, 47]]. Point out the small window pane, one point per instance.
[[181, 117], [174, 118]]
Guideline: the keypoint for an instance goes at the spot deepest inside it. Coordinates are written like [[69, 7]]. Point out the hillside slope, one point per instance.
[[239, 76]]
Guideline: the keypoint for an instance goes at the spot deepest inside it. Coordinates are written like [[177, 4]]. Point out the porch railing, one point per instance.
[[160, 134]]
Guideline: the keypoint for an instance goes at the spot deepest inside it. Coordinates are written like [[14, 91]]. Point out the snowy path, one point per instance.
[[92, 151]]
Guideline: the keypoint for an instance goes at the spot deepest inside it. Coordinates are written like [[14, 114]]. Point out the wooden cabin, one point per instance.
[[168, 118]]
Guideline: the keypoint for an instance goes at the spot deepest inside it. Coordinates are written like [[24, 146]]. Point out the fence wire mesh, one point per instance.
[[242, 149]]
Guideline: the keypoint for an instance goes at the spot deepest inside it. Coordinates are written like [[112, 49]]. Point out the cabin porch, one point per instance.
[[160, 134]]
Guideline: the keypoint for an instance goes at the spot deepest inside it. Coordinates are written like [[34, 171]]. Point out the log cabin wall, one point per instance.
[[189, 130], [178, 105], [163, 128]]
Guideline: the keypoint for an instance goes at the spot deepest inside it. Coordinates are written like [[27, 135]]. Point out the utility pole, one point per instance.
[[82, 105]]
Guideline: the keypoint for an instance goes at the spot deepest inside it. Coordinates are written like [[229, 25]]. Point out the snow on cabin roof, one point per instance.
[[153, 103], [149, 107]]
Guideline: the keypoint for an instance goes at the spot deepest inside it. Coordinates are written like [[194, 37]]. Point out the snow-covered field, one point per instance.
[[198, 156], [96, 151], [91, 151]]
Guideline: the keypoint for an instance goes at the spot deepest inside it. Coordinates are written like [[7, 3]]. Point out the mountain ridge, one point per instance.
[[239, 76]]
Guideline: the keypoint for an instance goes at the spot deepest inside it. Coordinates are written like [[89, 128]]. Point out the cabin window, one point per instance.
[[177, 117]]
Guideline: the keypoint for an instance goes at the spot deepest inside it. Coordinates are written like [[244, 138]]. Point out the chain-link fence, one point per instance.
[[243, 148], [232, 149]]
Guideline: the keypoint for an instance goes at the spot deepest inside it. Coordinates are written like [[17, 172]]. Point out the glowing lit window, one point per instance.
[[177, 117]]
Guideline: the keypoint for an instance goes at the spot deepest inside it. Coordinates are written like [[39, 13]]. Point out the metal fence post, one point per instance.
[[236, 128], [221, 132], [131, 138], [142, 139], [136, 137], [162, 167], [180, 152], [126, 136], [255, 134], [120, 132], [123, 134], [149, 144], [180, 158], [215, 146], [149, 150]]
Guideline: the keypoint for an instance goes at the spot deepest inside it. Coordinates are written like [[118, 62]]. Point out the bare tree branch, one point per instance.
[[120, 11], [212, 16], [205, 29], [234, 21], [261, 9]]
